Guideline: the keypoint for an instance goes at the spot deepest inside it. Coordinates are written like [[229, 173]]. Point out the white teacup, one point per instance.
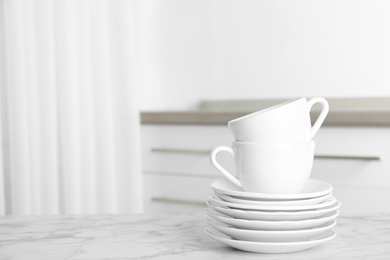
[[288, 122], [268, 168]]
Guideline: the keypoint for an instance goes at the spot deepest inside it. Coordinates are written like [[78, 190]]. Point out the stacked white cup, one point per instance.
[[273, 148]]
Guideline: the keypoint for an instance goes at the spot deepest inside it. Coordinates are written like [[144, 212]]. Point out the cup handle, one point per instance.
[[213, 158], [321, 117]]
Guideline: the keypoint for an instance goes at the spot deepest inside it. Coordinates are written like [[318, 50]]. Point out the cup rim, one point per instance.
[[264, 110]]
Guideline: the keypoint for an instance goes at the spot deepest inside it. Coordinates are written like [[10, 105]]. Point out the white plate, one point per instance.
[[299, 202], [271, 235], [275, 215], [272, 225], [271, 248], [218, 202], [312, 189]]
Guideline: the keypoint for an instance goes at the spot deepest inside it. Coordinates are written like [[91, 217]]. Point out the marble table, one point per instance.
[[169, 236]]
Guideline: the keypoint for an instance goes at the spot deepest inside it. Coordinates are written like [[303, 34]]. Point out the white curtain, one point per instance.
[[70, 121]]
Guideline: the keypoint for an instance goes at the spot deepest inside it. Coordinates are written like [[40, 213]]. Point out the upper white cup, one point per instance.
[[288, 122], [268, 168]]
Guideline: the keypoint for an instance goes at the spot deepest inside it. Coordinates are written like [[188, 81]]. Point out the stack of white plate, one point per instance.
[[272, 223]]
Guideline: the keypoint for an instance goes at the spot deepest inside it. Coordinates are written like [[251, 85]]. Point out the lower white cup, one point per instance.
[[268, 168]]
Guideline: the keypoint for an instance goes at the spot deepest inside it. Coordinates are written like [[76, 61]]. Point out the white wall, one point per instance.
[[251, 49]]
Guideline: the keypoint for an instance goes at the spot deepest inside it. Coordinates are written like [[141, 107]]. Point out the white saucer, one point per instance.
[[272, 225], [218, 202], [272, 248], [274, 215], [271, 235], [313, 189], [300, 202]]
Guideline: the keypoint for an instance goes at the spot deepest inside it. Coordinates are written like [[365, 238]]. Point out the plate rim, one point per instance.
[[281, 215], [328, 202], [323, 227], [309, 201], [279, 222], [279, 196], [279, 245]]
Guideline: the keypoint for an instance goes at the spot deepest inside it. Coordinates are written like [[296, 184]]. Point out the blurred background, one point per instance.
[[194, 50], [75, 75]]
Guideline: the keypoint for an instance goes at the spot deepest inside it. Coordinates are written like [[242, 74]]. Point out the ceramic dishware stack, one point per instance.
[[270, 204]]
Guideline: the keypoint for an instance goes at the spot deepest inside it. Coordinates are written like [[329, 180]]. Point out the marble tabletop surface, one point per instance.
[[169, 236]]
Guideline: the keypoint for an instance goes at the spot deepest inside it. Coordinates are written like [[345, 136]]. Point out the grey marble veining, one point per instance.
[[168, 236]]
